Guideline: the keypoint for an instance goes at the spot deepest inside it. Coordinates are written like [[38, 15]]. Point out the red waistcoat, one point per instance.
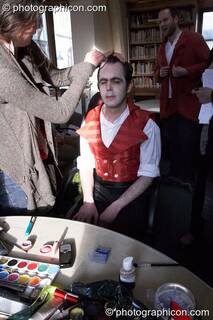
[[119, 162]]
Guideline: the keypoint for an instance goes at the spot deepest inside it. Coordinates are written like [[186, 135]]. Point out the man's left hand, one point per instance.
[[178, 72], [109, 214]]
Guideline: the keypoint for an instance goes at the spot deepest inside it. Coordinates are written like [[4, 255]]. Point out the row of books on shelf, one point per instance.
[[145, 35], [143, 68], [146, 82], [185, 15], [144, 52], [138, 20]]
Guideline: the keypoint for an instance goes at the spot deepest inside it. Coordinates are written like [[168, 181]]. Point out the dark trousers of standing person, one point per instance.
[[131, 220], [204, 169], [197, 220], [181, 141]]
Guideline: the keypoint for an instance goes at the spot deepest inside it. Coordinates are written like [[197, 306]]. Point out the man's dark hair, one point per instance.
[[174, 11], [128, 70]]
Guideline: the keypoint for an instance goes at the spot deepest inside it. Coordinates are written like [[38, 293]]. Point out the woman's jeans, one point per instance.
[[13, 199]]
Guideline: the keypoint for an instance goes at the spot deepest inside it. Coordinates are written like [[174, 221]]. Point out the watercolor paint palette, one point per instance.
[[30, 275]]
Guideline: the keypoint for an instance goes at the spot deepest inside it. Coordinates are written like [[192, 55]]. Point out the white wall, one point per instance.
[[117, 9], [104, 30], [90, 29], [83, 36]]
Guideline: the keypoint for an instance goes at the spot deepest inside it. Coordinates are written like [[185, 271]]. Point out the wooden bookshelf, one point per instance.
[[148, 92], [144, 38]]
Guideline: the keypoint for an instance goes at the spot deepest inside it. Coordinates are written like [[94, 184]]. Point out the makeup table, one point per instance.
[[87, 238], [152, 105]]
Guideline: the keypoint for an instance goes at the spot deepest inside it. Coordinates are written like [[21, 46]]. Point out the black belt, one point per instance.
[[112, 183]]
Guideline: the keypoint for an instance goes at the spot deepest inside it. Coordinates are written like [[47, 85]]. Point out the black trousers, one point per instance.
[[203, 172], [181, 138], [131, 220], [197, 220]]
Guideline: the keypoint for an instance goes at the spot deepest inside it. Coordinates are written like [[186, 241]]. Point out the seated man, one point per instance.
[[122, 143]]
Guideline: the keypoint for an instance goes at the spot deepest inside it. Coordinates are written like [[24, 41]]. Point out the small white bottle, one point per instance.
[[127, 273]]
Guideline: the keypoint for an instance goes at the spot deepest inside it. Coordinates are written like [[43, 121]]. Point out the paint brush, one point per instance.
[[30, 226], [56, 244], [148, 265]]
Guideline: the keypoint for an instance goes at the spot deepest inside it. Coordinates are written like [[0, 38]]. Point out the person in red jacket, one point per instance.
[[122, 143], [181, 59]]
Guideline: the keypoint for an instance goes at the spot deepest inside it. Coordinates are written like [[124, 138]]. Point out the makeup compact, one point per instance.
[[27, 275]]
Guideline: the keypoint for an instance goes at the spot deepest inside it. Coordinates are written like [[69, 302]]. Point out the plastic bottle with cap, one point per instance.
[[127, 273]]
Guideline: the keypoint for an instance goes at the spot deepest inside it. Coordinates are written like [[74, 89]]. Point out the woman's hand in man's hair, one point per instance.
[[94, 57], [116, 54]]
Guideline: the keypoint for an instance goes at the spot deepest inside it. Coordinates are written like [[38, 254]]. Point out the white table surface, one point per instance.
[[87, 237], [152, 105]]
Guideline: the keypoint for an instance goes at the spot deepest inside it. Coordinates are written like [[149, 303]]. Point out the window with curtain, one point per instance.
[[55, 38]]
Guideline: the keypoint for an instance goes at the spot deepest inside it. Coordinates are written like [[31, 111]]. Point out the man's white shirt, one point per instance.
[[150, 149], [169, 48]]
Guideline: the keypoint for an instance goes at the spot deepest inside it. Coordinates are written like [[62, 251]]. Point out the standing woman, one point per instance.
[[26, 111]]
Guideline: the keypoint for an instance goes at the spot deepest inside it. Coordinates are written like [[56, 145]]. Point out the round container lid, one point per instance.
[[170, 293]]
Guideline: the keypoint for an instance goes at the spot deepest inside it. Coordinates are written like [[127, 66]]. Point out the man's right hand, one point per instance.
[[94, 57], [164, 71], [87, 213]]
